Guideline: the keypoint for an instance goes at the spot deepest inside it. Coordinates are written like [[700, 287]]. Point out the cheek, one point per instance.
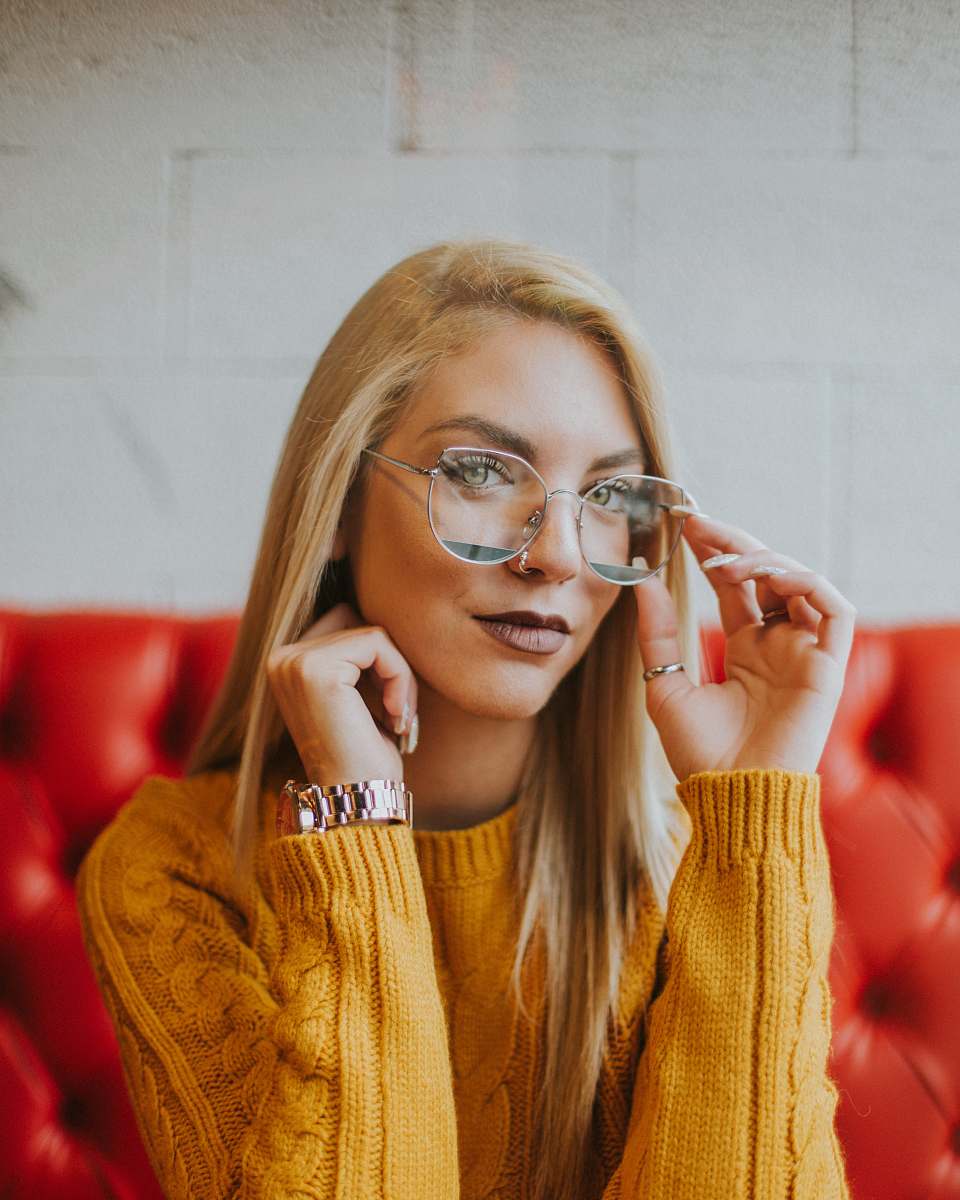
[[403, 575], [604, 604]]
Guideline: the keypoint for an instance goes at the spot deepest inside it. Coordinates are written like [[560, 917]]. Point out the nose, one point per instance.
[[555, 548]]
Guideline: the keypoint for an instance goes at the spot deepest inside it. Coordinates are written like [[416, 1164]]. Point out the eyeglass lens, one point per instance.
[[484, 507]]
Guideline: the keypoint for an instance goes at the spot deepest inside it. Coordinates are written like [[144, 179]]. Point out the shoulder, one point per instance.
[[193, 805], [168, 825]]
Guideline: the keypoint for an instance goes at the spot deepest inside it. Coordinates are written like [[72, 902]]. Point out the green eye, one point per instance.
[[608, 491], [460, 468]]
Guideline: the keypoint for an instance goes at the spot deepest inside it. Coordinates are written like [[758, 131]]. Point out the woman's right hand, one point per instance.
[[340, 688]]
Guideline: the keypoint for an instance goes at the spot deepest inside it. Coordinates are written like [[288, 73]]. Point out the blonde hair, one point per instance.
[[599, 829]]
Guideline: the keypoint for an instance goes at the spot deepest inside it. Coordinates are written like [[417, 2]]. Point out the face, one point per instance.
[[562, 394]]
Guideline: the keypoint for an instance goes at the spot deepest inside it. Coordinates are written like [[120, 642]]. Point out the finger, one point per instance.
[[838, 616], [372, 689], [741, 571], [706, 537], [371, 692], [710, 536], [372, 684], [341, 616], [802, 614], [700, 528], [370, 648], [658, 638]]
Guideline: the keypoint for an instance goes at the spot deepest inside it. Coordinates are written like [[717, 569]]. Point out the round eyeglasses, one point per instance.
[[486, 506]]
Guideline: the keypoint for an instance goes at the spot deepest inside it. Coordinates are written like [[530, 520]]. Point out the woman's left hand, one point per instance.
[[783, 679]]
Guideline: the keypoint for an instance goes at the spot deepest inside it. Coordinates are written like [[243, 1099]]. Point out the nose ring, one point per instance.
[[523, 562]]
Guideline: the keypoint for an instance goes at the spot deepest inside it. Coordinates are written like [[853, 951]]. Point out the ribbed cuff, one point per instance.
[[370, 864], [754, 812]]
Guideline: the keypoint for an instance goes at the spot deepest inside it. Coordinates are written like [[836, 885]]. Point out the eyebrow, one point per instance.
[[508, 439]]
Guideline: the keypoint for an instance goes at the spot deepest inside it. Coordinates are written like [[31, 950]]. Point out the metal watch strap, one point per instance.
[[314, 807]]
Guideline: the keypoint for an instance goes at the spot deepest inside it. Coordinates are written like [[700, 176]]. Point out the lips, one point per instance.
[[528, 617], [534, 639]]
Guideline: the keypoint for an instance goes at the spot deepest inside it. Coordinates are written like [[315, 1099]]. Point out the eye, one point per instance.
[[604, 495], [474, 469]]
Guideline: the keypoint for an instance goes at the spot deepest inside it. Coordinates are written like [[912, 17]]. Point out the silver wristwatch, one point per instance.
[[314, 807]]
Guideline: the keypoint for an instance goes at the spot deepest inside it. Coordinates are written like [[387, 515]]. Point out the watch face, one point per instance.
[[287, 808]]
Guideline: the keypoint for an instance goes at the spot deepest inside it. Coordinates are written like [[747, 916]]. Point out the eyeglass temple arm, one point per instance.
[[398, 463]]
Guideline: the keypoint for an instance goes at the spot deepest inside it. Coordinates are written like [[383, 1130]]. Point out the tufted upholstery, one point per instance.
[[91, 702]]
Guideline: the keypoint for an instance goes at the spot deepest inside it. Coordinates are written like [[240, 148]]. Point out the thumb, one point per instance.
[[658, 629]]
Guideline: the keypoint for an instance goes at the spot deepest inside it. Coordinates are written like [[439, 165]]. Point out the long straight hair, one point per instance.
[[599, 831]]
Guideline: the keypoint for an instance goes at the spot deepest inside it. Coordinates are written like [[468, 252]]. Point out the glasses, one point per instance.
[[486, 506]]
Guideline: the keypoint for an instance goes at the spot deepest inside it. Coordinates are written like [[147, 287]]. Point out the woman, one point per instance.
[[596, 963]]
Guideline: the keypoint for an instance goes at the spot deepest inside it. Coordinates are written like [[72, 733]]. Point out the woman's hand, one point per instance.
[[340, 688], [783, 679]]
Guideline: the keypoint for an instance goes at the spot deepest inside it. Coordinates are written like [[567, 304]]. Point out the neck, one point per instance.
[[466, 769]]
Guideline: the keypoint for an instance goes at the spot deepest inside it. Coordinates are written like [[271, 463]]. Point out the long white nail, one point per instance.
[[400, 723], [408, 743], [718, 560], [768, 570], [687, 510]]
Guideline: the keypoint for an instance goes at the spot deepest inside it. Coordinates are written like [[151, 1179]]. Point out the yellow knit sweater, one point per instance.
[[344, 1028]]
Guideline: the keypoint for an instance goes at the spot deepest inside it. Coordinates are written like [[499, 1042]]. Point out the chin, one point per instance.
[[488, 684], [500, 699]]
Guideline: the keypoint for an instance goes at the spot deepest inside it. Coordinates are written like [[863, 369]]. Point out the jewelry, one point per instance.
[[648, 675], [306, 807], [523, 563], [677, 666]]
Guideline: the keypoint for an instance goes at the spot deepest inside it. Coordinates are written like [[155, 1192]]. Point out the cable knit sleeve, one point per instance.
[[318, 1069], [732, 1096]]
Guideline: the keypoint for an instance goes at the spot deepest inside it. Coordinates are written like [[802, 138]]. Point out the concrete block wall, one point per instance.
[[193, 193]]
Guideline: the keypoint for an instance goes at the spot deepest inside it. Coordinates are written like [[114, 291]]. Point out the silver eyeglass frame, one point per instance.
[[434, 471]]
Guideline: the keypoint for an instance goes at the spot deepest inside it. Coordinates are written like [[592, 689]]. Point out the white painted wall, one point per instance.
[[193, 193]]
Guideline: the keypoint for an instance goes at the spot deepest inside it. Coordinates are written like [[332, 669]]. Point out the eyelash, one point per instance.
[[483, 460]]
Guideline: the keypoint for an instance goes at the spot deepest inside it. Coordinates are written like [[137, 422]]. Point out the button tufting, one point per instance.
[[72, 857], [878, 745], [175, 732], [13, 741], [876, 999], [72, 1112]]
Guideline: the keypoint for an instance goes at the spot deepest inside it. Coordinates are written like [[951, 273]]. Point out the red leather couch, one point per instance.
[[91, 702]]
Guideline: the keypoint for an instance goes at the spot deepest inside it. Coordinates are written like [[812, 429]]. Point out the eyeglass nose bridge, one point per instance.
[[569, 491], [546, 503]]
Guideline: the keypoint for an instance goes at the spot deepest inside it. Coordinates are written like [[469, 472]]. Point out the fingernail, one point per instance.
[[718, 560], [768, 570], [408, 743], [400, 723], [688, 510]]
